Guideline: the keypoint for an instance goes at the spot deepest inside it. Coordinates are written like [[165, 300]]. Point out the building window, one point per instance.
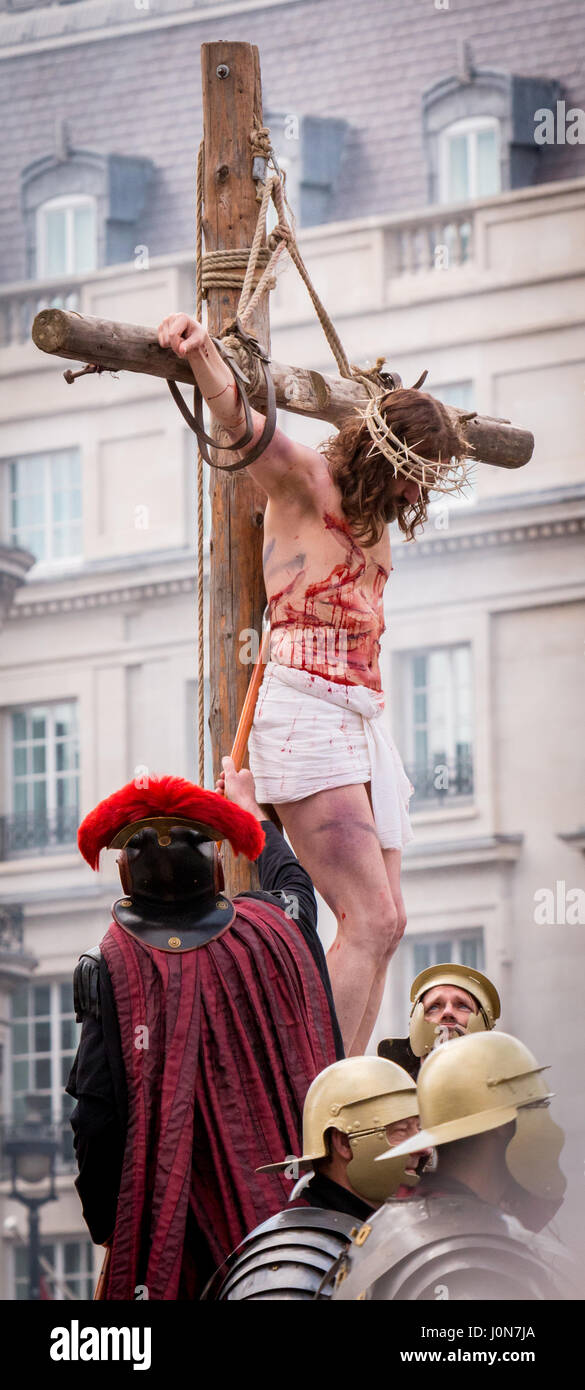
[[479, 131], [469, 160], [66, 237], [66, 1270], [43, 1043], [44, 778], [457, 948], [462, 395], [438, 733], [44, 504], [459, 393]]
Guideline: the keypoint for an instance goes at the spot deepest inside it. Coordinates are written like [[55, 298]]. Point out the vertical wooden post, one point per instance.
[[232, 96]]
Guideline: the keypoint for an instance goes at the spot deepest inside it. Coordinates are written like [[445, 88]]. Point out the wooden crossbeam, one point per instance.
[[129, 347]]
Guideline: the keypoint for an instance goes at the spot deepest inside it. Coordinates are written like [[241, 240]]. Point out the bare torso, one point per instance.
[[325, 590]]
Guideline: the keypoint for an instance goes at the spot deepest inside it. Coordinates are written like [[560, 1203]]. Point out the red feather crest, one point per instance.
[[168, 796]]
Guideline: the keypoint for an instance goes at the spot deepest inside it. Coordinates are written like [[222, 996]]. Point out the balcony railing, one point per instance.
[[433, 243], [22, 835], [18, 309], [437, 783]]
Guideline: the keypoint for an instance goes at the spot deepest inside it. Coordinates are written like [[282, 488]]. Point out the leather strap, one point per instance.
[[195, 421]]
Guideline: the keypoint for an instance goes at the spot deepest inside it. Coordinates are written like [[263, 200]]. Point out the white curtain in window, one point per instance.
[[66, 237], [469, 160], [45, 504]]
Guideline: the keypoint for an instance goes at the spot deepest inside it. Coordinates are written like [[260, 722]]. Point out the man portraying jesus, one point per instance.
[[318, 750]]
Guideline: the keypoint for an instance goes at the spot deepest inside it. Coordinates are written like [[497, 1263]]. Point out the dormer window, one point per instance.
[[469, 160], [82, 211], [479, 132], [66, 236]]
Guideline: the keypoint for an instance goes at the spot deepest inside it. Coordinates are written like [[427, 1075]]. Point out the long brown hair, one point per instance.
[[364, 476]]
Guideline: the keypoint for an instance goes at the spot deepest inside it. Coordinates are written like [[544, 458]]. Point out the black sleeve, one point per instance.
[[280, 872], [98, 1119]]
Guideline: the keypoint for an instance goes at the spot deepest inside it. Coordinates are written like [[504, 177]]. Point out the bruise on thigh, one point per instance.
[[340, 847], [340, 836]]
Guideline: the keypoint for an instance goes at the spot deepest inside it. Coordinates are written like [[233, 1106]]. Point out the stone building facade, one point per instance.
[[438, 230]]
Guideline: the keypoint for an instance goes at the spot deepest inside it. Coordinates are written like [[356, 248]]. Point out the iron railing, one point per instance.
[[437, 782], [38, 830]]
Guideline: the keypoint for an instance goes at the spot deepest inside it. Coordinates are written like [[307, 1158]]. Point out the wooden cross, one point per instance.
[[232, 104]]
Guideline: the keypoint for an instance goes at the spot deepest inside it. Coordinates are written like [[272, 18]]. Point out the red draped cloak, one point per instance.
[[219, 1045]]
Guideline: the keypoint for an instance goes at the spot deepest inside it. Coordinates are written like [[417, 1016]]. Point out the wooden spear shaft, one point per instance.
[[129, 347], [240, 743]]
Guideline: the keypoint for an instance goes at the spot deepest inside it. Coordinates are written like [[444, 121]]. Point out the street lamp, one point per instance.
[[32, 1152]]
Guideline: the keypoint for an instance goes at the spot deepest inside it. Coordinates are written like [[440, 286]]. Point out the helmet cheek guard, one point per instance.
[[375, 1181], [425, 1036], [532, 1156], [478, 1023]]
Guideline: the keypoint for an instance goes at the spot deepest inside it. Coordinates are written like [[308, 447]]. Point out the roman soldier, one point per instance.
[[447, 1001], [468, 1231], [204, 1023], [355, 1110]]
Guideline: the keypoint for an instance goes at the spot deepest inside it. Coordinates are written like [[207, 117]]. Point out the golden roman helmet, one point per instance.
[[491, 1080], [359, 1096], [424, 1034]]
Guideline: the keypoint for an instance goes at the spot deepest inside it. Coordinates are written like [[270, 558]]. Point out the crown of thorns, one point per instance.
[[450, 476]]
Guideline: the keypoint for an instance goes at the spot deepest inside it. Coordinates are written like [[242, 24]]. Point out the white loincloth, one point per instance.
[[310, 734]]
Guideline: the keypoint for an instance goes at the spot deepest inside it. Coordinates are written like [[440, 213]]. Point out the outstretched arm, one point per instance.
[[284, 467]]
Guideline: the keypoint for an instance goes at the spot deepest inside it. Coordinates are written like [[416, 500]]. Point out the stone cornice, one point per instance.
[[554, 514], [447, 854], [433, 543], [523, 533], [82, 601]]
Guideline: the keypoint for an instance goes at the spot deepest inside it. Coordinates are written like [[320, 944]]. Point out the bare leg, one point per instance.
[[392, 860], [334, 836]]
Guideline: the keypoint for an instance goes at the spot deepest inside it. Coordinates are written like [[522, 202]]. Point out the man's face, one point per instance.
[[450, 1008], [404, 488], [401, 1130]]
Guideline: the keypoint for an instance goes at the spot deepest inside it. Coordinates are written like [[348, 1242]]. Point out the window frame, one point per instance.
[[68, 202], [470, 126], [460, 392], [61, 1104], [51, 776], [456, 938], [62, 1287], [50, 561], [409, 724]]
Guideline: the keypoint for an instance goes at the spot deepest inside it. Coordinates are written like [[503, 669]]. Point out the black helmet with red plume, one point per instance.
[[166, 829]]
